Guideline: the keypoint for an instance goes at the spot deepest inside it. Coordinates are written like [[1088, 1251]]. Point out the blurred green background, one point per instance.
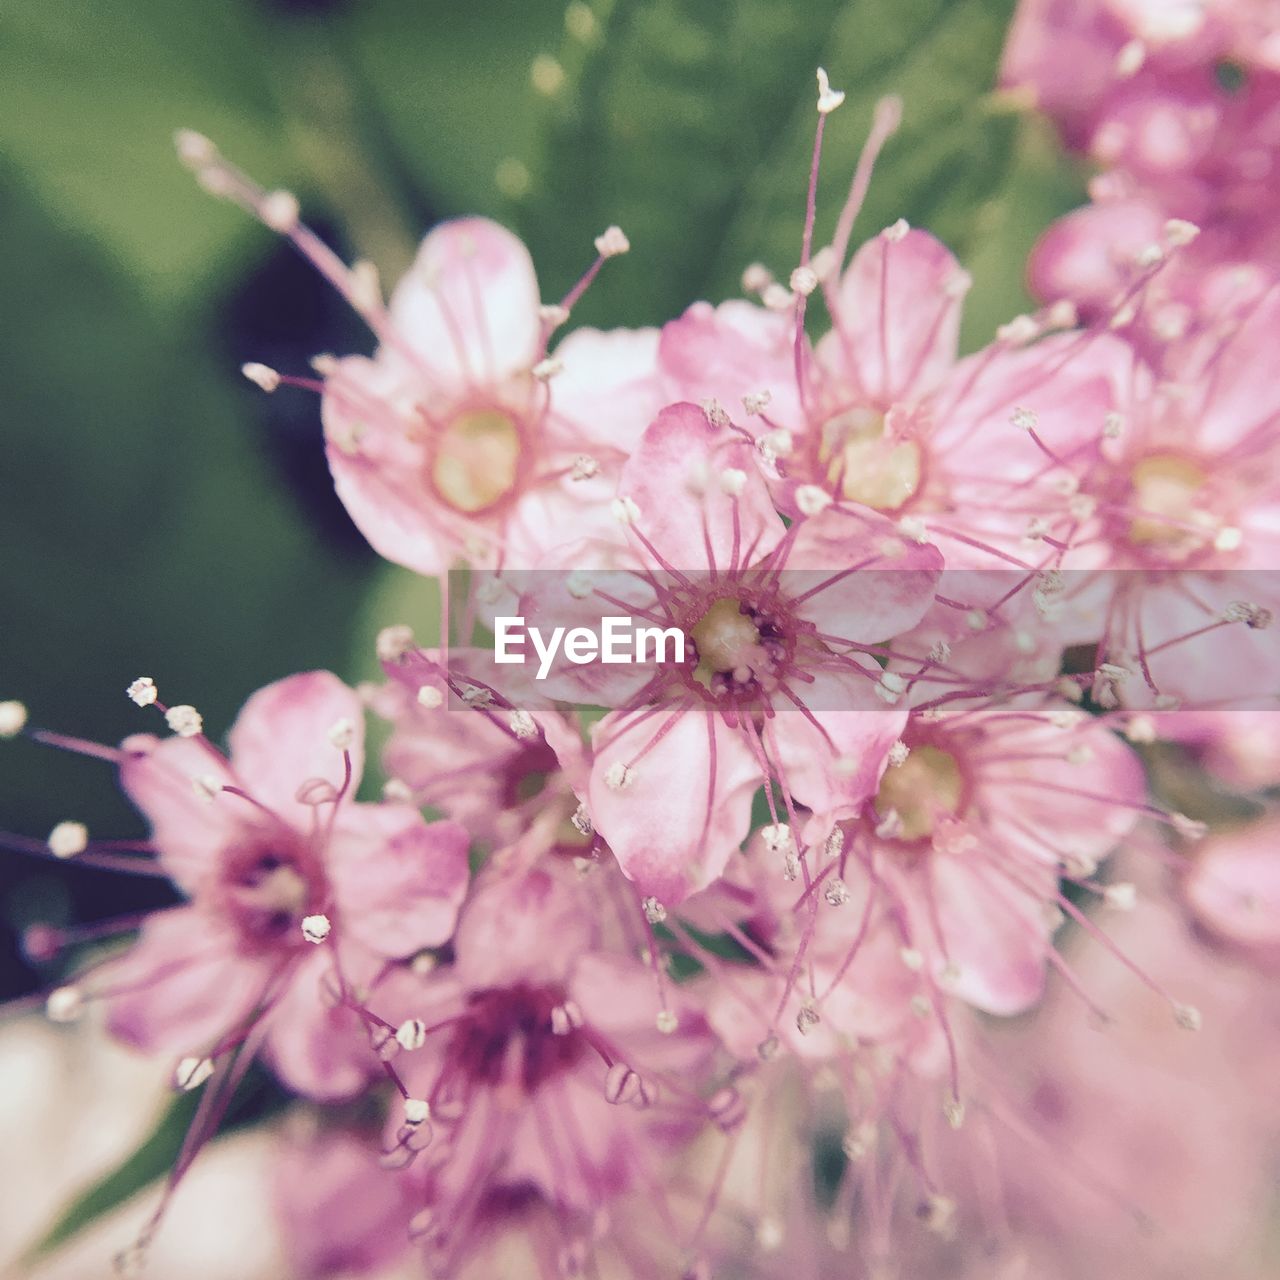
[[157, 514]]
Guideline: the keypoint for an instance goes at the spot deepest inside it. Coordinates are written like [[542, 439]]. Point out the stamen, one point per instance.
[[68, 839], [316, 928], [184, 720], [142, 691], [261, 375]]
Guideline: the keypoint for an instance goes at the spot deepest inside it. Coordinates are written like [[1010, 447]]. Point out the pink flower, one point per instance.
[[458, 440], [1233, 888], [295, 889], [777, 680], [1141, 85], [548, 1066], [339, 1213], [849, 416]]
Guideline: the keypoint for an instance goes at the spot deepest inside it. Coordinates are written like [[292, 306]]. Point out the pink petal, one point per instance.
[[280, 741], [1234, 887], [897, 318], [318, 1050], [727, 352], [608, 391], [397, 879], [469, 304], [831, 759], [188, 830], [856, 578], [994, 933], [685, 804], [379, 465], [520, 921], [676, 478], [184, 984]]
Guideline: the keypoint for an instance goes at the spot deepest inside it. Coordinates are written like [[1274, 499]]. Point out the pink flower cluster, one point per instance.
[[1178, 102], [973, 644]]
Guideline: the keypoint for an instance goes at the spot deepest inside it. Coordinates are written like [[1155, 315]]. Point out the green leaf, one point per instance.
[[692, 124], [91, 92], [451, 84], [144, 531]]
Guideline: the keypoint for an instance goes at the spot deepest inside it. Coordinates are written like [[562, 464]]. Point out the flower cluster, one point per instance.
[[972, 644]]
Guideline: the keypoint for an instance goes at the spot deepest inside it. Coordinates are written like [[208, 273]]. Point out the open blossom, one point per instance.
[[849, 416], [549, 1066], [490, 767], [1178, 100], [776, 681], [447, 445], [275, 855]]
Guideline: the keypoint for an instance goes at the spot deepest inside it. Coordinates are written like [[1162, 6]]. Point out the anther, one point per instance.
[[1024, 419], [261, 375], [666, 1022], [811, 499], [617, 777], [195, 151], [68, 839], [581, 820], [13, 718], [547, 369], [364, 287], [755, 402], [828, 98], [654, 911], [836, 892], [732, 482], [804, 280], [206, 787], [622, 1085], [280, 211], [184, 720], [316, 928], [584, 467], [1120, 896], [523, 725], [1178, 232], [416, 1111], [565, 1018], [625, 510], [411, 1034], [1253, 616], [394, 642], [1018, 331], [342, 734], [612, 242], [430, 697], [142, 691], [896, 231], [807, 1018], [65, 1004], [1187, 1016]]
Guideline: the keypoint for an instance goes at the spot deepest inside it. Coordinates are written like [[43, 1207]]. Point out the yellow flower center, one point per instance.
[[872, 468], [727, 639], [926, 786], [1164, 490], [476, 460]]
